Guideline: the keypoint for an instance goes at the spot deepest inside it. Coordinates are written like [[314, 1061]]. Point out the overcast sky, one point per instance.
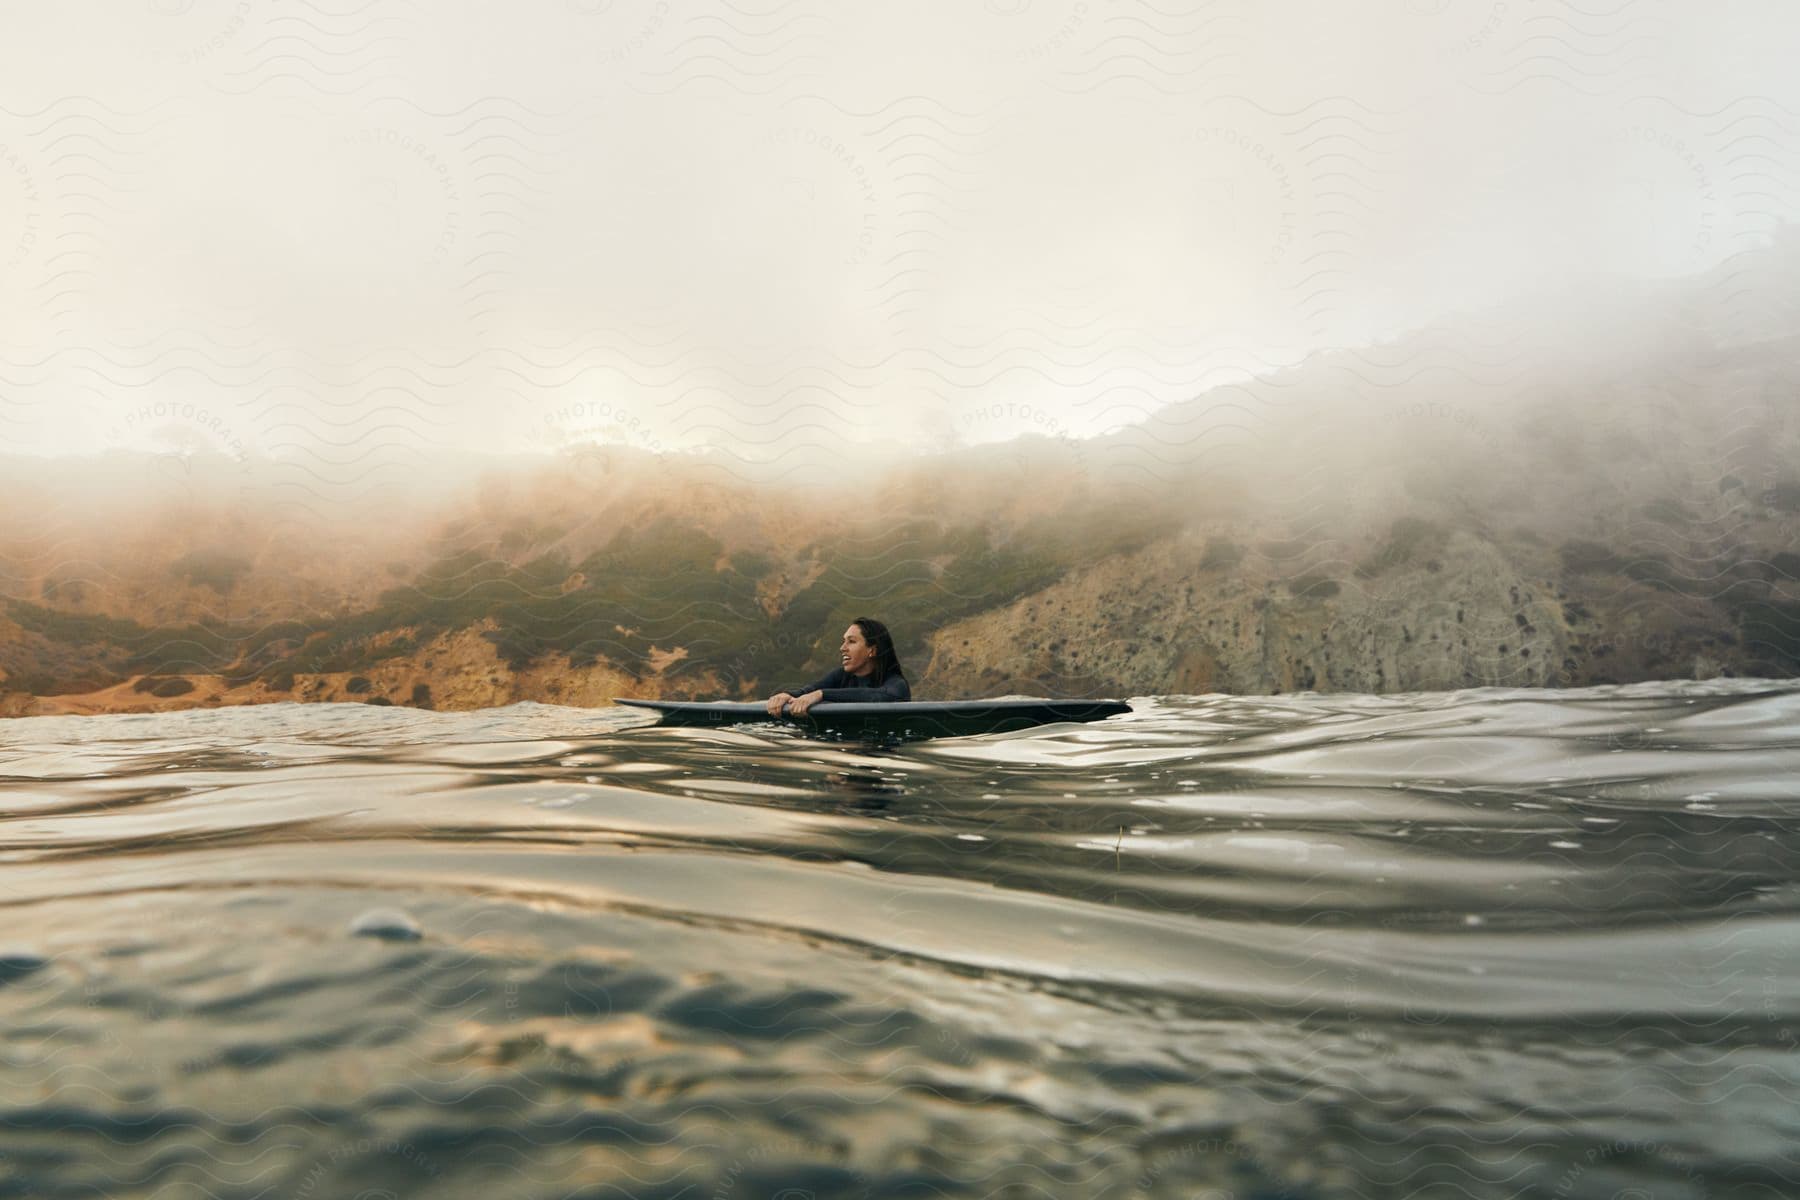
[[343, 236]]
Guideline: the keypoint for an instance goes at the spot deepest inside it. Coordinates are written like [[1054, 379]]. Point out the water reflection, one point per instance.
[[1313, 946]]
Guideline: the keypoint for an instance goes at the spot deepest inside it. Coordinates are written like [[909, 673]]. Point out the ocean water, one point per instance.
[[1491, 943]]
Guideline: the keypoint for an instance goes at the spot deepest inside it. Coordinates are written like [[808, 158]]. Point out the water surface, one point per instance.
[[1493, 943]]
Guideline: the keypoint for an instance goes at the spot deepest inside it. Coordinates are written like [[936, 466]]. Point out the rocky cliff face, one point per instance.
[[1471, 614]]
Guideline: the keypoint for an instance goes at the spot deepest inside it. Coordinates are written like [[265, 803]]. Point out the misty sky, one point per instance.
[[348, 236]]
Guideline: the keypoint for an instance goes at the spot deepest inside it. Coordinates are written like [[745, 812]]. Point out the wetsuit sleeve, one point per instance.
[[833, 680], [894, 687]]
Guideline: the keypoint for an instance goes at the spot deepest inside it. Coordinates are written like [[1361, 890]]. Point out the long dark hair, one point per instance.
[[877, 635]]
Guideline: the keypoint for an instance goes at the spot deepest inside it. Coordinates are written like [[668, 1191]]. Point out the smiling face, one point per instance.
[[856, 655]]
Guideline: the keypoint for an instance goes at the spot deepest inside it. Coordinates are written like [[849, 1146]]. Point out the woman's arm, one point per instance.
[[893, 688], [779, 701], [835, 679]]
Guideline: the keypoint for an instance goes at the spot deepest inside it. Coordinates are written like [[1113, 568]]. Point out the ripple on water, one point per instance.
[[1308, 945]]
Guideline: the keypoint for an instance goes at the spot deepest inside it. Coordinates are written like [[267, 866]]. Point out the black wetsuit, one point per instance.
[[857, 689]]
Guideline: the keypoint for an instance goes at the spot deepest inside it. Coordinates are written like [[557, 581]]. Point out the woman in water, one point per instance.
[[869, 671]]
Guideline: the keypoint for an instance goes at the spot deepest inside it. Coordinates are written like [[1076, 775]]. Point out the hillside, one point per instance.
[[1449, 511]]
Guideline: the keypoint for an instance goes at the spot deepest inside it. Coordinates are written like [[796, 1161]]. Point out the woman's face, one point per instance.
[[856, 653]]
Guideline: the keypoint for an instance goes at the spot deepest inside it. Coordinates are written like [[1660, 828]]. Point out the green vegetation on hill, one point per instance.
[[1772, 632], [657, 586], [164, 687], [1410, 540], [1221, 554], [664, 585], [215, 569], [154, 650]]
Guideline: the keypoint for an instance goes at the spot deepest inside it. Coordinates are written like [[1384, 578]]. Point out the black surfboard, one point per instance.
[[901, 718]]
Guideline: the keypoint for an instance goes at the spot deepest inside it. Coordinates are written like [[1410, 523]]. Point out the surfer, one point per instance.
[[869, 671]]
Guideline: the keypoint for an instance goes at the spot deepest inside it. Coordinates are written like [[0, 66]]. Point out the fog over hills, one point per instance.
[[1598, 488]]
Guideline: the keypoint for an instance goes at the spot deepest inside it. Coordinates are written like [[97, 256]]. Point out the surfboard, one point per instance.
[[904, 718]]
